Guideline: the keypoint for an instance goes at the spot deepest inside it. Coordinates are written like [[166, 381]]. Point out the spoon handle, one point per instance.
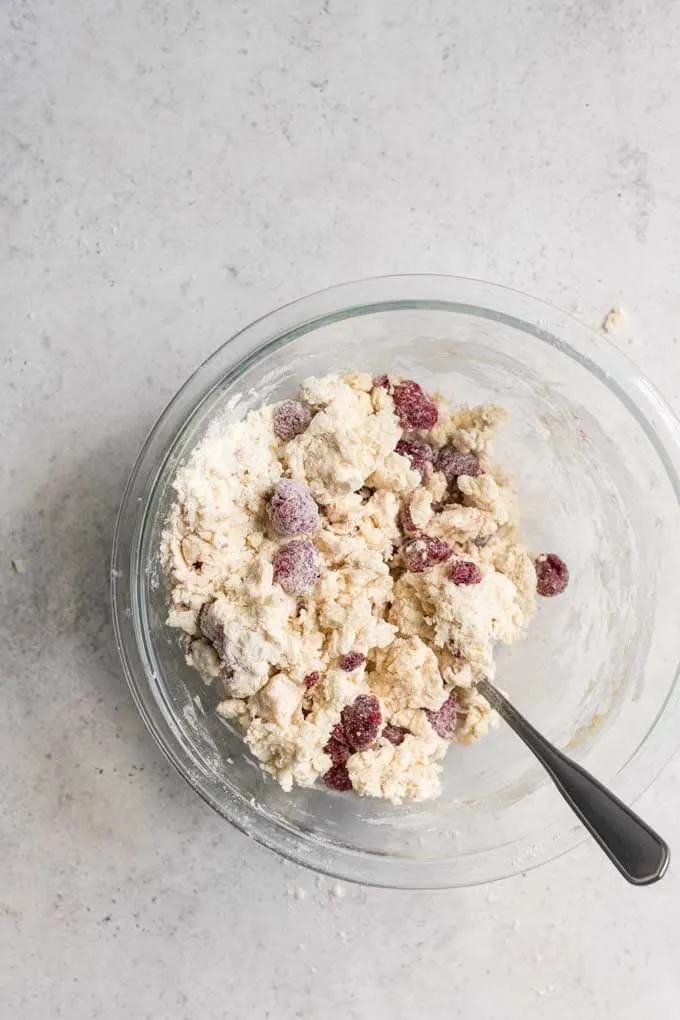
[[637, 851]]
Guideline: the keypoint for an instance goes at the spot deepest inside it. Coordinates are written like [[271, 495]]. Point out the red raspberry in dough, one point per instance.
[[291, 418], [352, 661], [336, 748], [297, 567], [418, 453], [395, 734], [291, 509], [337, 778], [465, 572], [452, 463], [361, 721], [413, 407], [424, 552], [443, 721]]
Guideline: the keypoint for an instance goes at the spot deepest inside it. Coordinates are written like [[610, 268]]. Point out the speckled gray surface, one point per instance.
[[169, 172]]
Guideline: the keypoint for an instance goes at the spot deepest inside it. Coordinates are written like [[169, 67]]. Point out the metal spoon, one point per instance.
[[637, 851]]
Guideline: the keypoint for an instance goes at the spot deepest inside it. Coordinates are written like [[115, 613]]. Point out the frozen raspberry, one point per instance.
[[406, 521], [443, 721], [452, 463], [395, 734], [465, 572], [312, 679], [336, 748], [418, 453], [297, 567], [415, 555], [337, 778], [424, 552], [337, 733], [291, 418], [438, 551], [413, 407], [361, 721], [291, 509], [352, 661], [382, 381], [552, 574]]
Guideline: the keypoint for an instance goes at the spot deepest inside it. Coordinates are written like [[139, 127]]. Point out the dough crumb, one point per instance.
[[614, 320], [18, 566]]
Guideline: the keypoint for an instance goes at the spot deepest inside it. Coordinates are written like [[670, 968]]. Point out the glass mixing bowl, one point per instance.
[[595, 453]]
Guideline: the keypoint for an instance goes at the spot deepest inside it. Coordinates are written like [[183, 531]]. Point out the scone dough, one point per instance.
[[422, 639]]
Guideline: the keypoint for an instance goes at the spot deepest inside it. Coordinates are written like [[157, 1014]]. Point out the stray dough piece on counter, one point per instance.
[[613, 320], [342, 566]]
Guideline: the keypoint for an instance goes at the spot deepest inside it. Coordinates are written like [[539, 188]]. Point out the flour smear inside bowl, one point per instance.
[[341, 566]]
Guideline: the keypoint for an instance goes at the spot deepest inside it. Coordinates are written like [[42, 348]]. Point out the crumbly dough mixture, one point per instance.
[[342, 567]]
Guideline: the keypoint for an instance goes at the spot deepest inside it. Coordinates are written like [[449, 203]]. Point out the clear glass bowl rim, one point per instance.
[[447, 293]]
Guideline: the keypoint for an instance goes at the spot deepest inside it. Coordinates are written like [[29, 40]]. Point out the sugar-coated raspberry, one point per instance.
[[361, 721], [290, 419], [312, 679], [337, 733], [418, 453], [337, 778], [382, 381], [336, 747], [291, 509], [452, 463], [352, 661], [438, 551], [413, 407], [297, 567], [395, 734], [415, 555], [465, 572], [443, 721], [424, 552], [552, 574]]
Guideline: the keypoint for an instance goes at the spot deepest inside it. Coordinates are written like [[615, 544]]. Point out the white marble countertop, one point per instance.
[[171, 170]]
